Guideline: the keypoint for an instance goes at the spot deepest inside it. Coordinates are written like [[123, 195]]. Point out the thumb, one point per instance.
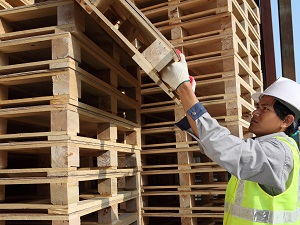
[[182, 59]]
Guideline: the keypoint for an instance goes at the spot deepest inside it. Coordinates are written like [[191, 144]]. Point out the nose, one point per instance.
[[255, 113]]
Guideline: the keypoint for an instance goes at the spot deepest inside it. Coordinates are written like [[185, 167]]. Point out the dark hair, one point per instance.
[[282, 111]]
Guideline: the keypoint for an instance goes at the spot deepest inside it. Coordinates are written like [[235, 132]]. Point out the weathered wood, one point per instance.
[[59, 212], [195, 215], [32, 11], [5, 5], [16, 3]]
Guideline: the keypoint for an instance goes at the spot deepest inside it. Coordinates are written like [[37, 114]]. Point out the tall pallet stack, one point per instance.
[[69, 118], [221, 41], [70, 110]]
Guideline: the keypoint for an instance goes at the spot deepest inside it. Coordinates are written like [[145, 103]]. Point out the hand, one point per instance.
[[176, 73]]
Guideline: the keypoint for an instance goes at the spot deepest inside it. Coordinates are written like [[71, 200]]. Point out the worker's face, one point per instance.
[[264, 119]]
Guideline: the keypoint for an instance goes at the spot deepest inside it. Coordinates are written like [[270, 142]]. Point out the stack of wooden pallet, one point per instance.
[[69, 117], [221, 41], [70, 108]]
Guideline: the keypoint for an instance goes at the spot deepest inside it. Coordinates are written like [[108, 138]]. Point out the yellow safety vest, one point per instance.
[[246, 203]]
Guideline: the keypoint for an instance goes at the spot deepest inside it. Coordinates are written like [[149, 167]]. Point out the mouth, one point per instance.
[[253, 121]]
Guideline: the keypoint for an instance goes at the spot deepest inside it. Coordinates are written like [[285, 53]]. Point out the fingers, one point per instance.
[[178, 52], [193, 83], [180, 55], [192, 80], [182, 60]]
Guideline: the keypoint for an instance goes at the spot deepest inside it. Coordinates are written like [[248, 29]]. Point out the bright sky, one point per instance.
[[296, 36]]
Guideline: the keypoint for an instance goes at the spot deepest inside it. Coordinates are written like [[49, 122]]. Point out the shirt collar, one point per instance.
[[268, 136]]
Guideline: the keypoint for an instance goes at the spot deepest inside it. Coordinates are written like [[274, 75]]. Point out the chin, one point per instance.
[[253, 132], [250, 129]]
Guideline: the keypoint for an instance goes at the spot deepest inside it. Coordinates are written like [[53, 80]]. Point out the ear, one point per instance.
[[289, 119]]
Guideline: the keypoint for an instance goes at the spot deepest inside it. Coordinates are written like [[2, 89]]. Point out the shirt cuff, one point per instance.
[[183, 124], [195, 112]]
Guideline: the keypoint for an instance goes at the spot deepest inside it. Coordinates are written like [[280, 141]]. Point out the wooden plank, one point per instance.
[[203, 170], [165, 148], [124, 219], [62, 212], [197, 215], [30, 43], [5, 5], [215, 185], [83, 143], [122, 196], [32, 11], [27, 135], [16, 3], [38, 176], [33, 32], [164, 193], [176, 165], [25, 67], [198, 23], [192, 5], [204, 208], [29, 77]]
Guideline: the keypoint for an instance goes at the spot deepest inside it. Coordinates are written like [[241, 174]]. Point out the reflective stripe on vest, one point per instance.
[[265, 216]]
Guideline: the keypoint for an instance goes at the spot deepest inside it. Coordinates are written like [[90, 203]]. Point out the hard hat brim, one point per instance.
[[256, 96]]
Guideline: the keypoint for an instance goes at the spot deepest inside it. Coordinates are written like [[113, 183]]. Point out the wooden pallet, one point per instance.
[[127, 25]]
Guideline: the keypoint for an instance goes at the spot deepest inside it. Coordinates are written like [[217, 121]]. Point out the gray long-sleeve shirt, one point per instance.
[[265, 160]]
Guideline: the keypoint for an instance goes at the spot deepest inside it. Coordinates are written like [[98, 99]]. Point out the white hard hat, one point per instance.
[[286, 91]]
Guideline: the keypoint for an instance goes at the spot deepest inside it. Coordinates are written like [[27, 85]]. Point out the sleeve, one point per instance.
[[252, 160]]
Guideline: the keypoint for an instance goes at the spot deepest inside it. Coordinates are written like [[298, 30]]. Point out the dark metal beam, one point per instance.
[[286, 39], [267, 43]]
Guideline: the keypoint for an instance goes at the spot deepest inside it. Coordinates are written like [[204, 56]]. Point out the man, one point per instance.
[[264, 187]]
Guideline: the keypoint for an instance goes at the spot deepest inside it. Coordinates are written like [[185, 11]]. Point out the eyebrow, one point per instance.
[[263, 104]]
